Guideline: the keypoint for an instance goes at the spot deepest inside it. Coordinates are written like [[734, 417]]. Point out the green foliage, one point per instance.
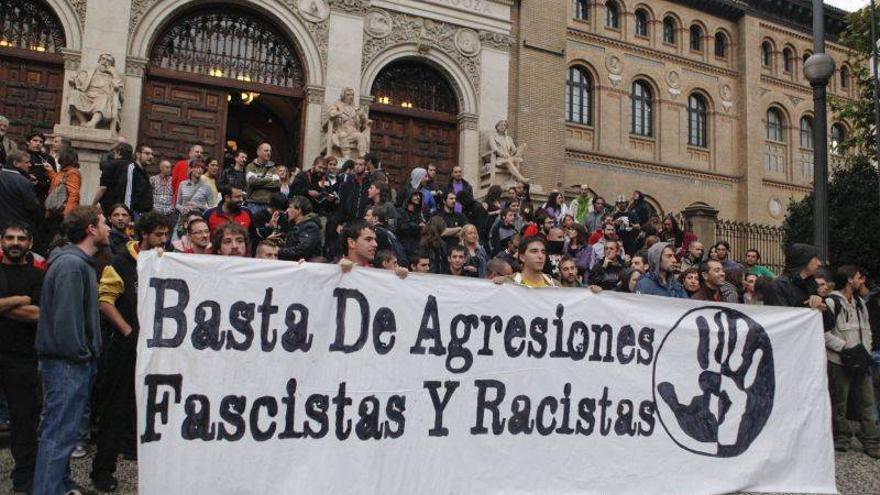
[[854, 216], [858, 112]]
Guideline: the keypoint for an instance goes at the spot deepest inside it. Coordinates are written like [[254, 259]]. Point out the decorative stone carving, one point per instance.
[[347, 130], [138, 9], [351, 6], [425, 34], [614, 67], [504, 153], [315, 94], [135, 67], [378, 24], [775, 208], [79, 6], [467, 41], [314, 10], [96, 98], [795, 100], [71, 59], [726, 97], [499, 41], [673, 79], [469, 122]]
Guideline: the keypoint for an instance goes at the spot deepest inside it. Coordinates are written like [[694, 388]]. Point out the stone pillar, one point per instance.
[[72, 61], [469, 149], [344, 52], [90, 145], [134, 87], [313, 137], [702, 219]]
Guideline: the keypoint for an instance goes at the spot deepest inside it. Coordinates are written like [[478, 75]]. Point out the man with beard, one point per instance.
[[118, 304], [199, 235], [714, 286], [230, 210], [609, 233], [454, 221], [607, 272], [796, 287], [126, 181], [661, 280], [568, 273], [40, 161], [231, 239], [313, 185], [20, 284], [68, 344]]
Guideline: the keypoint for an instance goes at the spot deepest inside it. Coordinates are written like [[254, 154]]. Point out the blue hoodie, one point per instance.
[[69, 326], [650, 283]]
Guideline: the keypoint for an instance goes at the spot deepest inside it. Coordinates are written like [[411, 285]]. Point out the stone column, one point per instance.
[[344, 52], [313, 137], [469, 149], [131, 109], [702, 219], [72, 61]]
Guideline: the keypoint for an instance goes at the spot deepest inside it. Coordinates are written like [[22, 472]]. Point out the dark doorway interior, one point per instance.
[[272, 118]]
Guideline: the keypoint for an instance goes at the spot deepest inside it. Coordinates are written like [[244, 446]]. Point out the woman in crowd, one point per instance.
[[284, 176], [434, 246], [71, 180], [477, 259], [671, 232], [492, 202], [411, 222], [750, 293], [629, 280], [553, 208], [212, 172], [577, 248], [690, 280], [193, 193]]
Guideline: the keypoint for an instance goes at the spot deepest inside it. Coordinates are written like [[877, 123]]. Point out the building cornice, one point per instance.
[[669, 170], [594, 38], [788, 186]]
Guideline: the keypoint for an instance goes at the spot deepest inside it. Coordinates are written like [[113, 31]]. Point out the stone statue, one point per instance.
[[347, 128], [505, 153], [96, 98]]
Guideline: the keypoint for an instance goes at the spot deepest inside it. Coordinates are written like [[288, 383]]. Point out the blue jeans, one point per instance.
[[66, 387]]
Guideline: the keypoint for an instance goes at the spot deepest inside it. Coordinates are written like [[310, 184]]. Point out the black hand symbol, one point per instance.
[[723, 409]]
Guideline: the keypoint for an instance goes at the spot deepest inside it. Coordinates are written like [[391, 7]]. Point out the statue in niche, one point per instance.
[[347, 128], [96, 97], [505, 153]]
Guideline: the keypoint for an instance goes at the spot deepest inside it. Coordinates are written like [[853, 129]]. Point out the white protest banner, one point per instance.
[[270, 377]]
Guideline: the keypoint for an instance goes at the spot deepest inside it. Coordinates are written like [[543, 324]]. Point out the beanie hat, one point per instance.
[[799, 255]]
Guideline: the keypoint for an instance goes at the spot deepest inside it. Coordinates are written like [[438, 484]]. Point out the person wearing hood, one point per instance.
[[661, 280], [68, 344], [796, 287], [418, 181], [304, 233]]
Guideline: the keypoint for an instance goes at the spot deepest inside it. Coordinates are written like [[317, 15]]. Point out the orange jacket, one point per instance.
[[73, 182]]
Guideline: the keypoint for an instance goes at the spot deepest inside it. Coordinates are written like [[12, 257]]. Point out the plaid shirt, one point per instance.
[[162, 194]]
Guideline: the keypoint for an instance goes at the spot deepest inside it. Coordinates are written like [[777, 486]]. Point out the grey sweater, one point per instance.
[[69, 326]]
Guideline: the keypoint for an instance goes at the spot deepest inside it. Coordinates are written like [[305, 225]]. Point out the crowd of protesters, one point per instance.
[[68, 278]]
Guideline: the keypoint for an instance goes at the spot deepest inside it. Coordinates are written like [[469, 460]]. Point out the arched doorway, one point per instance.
[[227, 78], [31, 67], [414, 115]]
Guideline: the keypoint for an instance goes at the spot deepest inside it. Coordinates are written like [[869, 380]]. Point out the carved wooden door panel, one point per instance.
[[30, 95], [404, 142], [176, 114]]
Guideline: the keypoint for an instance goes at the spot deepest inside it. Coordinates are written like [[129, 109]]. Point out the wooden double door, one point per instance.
[[30, 93], [178, 113], [405, 140]]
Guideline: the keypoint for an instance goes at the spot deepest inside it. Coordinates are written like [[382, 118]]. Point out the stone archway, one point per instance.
[[414, 113], [209, 64]]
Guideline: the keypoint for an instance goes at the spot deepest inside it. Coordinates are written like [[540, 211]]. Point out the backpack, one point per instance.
[[57, 198]]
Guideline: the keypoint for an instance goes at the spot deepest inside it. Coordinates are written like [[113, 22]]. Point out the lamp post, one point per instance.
[[818, 69]]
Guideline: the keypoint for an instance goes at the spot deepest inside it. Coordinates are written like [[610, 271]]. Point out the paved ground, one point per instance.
[[857, 474]]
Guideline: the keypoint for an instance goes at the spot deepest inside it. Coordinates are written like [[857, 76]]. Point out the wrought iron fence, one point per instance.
[[743, 236]]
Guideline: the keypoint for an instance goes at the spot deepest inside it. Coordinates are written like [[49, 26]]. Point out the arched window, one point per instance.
[[787, 60], [412, 84], [612, 14], [807, 132], [720, 45], [766, 54], [642, 109], [697, 121], [579, 96], [775, 149], [838, 135], [642, 23], [696, 38], [774, 125], [669, 30], [30, 25], [212, 42], [582, 10], [844, 77]]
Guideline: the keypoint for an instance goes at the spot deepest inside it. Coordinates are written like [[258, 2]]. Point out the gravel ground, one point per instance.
[[857, 474]]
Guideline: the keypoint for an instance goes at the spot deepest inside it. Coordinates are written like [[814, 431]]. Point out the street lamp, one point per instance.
[[818, 69]]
